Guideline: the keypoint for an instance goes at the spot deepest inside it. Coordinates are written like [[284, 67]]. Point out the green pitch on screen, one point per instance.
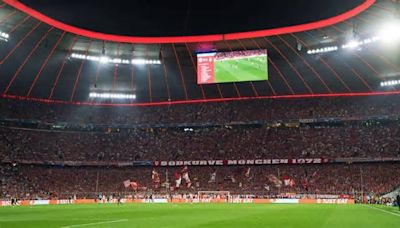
[[242, 70]]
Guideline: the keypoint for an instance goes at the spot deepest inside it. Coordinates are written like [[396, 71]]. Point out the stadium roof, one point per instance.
[[36, 63], [176, 22]]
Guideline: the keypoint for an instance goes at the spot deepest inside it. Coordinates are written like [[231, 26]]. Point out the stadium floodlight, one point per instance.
[[352, 44], [322, 50], [112, 95], [390, 33], [357, 43], [106, 60], [4, 36], [145, 62], [390, 83], [138, 61]]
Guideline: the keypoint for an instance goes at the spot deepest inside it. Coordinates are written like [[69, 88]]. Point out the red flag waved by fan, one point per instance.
[[292, 183], [155, 177], [134, 186], [288, 181], [178, 179]]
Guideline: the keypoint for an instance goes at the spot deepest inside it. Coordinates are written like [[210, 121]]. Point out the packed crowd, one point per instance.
[[46, 182], [238, 111], [211, 143], [240, 54], [229, 142]]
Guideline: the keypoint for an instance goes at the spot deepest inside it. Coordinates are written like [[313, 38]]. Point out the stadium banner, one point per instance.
[[235, 66], [40, 202], [334, 201], [69, 201], [85, 201], [4, 203], [132, 200], [241, 162], [26, 203], [196, 200], [365, 160], [300, 161], [285, 201], [183, 201], [156, 200]]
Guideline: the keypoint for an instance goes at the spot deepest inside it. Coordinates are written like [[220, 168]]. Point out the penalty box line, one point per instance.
[[96, 223], [388, 212]]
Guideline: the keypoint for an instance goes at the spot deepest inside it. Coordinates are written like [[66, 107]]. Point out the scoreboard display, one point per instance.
[[236, 66]]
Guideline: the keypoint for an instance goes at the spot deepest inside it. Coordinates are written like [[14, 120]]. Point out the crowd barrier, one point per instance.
[[177, 201]]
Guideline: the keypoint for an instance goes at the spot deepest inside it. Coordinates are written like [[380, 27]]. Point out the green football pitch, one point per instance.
[[250, 69], [201, 215]]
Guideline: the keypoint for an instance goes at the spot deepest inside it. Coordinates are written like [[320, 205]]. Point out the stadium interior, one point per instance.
[[293, 102]]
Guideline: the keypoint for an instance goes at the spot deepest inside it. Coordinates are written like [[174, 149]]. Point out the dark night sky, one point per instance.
[[187, 17]]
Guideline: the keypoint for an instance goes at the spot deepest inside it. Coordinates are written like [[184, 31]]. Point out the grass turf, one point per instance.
[[200, 215], [250, 69]]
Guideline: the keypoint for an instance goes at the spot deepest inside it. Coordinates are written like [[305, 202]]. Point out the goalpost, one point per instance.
[[205, 195]]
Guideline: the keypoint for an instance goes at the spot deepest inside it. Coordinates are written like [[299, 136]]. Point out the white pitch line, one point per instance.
[[389, 212], [95, 223], [47, 219]]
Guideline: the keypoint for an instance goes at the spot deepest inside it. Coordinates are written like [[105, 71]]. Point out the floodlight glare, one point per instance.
[[4, 36], [390, 83], [118, 96], [322, 50], [353, 44], [106, 59], [390, 33]]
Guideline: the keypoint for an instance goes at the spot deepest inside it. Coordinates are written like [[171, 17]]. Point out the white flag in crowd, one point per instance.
[[185, 176], [275, 180], [213, 177], [127, 183], [248, 172]]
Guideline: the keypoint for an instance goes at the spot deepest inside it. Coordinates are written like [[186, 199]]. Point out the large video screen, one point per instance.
[[236, 66]]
